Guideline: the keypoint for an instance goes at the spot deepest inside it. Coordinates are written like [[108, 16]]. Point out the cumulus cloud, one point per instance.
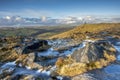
[[34, 17], [8, 17], [43, 18]]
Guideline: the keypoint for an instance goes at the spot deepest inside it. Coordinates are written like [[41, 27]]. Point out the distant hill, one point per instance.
[[39, 32]]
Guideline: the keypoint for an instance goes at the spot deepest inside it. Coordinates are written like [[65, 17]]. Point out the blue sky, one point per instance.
[[59, 8]]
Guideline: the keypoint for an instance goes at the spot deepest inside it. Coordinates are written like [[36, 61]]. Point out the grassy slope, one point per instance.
[[91, 30], [69, 67]]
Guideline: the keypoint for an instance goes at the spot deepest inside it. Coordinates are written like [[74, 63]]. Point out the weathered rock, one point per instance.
[[93, 51], [83, 77], [4, 72], [31, 57], [13, 47], [43, 58], [113, 40], [29, 61], [25, 77], [93, 55], [37, 45]]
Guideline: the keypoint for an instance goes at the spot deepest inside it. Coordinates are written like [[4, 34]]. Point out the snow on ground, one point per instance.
[[49, 52], [117, 48], [112, 71], [46, 72], [118, 57], [9, 64], [118, 43], [27, 67], [52, 52], [20, 65], [59, 78]]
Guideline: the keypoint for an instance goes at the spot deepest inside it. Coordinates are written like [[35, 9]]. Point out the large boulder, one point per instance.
[[36, 45], [29, 61], [93, 51]]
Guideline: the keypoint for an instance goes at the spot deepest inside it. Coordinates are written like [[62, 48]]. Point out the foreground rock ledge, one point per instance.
[[92, 56]]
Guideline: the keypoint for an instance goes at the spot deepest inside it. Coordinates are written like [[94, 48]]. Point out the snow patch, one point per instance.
[[113, 69], [20, 65], [82, 45], [39, 71], [27, 67], [59, 77], [46, 72], [118, 43], [118, 57], [117, 48], [9, 64], [89, 41], [53, 68], [11, 69], [43, 72], [52, 52], [49, 52]]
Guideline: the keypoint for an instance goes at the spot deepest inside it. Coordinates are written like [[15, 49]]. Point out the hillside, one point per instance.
[[38, 32], [90, 31]]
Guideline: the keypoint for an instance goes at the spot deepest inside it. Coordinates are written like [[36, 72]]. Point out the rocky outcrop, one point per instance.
[[37, 45], [93, 55], [29, 61], [11, 48], [30, 57], [93, 51]]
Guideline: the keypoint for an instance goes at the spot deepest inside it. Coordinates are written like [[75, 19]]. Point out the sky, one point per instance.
[[59, 8]]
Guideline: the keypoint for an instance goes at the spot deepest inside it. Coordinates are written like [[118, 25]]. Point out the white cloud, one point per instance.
[[88, 16], [43, 18], [8, 17], [70, 22], [80, 18], [18, 18]]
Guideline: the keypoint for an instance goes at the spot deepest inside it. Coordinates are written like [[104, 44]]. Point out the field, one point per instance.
[[38, 32]]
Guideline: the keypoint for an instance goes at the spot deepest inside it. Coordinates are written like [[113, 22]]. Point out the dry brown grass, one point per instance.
[[68, 67], [22, 59], [11, 55], [8, 56], [73, 69], [112, 49], [110, 58], [82, 31], [61, 61]]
